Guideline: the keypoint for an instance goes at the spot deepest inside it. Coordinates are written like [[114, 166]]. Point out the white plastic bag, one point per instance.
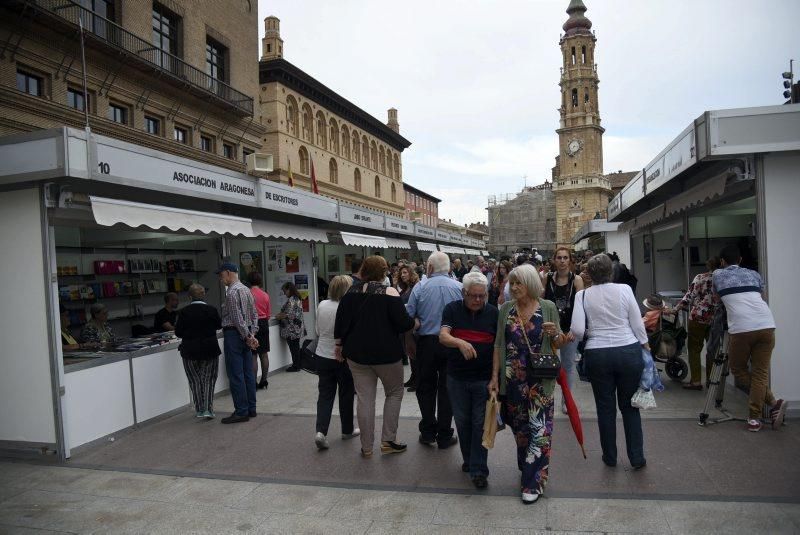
[[643, 399]]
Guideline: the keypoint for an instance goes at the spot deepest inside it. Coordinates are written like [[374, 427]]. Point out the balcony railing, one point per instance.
[[98, 28]]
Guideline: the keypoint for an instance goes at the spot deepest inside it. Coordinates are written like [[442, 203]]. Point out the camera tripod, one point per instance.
[[716, 385]]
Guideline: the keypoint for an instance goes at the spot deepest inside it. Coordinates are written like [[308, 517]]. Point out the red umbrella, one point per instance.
[[572, 409]]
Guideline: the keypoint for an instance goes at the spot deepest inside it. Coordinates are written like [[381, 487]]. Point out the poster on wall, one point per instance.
[[333, 263], [279, 297], [348, 262], [292, 261], [249, 261], [301, 281], [304, 299]]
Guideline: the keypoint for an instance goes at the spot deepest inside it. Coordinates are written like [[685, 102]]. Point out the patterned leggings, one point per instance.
[[528, 410], [202, 376]]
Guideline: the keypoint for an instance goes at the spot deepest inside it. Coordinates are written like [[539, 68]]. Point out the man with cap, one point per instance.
[[239, 326]]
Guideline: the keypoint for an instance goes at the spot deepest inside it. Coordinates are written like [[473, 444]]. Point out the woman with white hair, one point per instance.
[[527, 327]]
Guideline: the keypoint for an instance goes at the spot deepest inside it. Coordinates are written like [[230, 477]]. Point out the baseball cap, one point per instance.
[[227, 266]]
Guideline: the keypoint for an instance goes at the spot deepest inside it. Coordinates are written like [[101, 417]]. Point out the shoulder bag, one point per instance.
[[540, 366], [583, 370]]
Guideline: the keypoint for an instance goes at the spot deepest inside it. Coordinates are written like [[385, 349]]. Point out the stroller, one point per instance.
[[666, 345]]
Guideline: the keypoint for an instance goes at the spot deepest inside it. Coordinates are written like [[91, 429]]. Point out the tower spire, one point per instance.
[[577, 23]]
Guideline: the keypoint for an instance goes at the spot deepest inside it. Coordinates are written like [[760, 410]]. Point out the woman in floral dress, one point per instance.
[[527, 325], [291, 320]]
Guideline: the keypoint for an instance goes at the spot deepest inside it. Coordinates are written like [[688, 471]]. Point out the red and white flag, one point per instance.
[[314, 187]]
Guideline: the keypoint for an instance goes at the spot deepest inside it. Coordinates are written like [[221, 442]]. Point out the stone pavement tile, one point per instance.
[[17, 530], [306, 524], [113, 515], [17, 474], [202, 491], [7, 492], [792, 513], [624, 516], [402, 528], [114, 484], [291, 499], [730, 517], [41, 509], [506, 531], [394, 507], [206, 519], [490, 511]]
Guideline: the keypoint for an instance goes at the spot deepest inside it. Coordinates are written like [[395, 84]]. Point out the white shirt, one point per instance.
[[747, 312], [326, 318], [614, 316]]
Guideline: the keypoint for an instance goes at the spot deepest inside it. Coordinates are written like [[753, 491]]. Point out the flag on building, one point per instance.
[[291, 178], [314, 187]]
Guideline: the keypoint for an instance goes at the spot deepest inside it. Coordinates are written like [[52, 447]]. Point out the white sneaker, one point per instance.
[[356, 432], [321, 441], [528, 499]]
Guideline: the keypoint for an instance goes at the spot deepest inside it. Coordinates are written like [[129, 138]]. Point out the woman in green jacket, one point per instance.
[[527, 325]]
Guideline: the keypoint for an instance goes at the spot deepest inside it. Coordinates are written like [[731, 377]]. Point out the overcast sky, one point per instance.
[[476, 82]]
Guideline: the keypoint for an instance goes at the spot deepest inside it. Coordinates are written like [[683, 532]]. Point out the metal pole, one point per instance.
[[83, 69]]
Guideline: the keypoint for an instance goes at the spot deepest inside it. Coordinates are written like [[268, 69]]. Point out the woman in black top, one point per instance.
[[369, 320], [197, 327], [560, 287]]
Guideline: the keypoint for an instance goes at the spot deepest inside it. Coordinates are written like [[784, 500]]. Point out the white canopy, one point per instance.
[[363, 240], [425, 246], [268, 229], [110, 212], [449, 249], [394, 243]]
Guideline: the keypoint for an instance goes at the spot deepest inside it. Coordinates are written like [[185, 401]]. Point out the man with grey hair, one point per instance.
[[425, 304], [468, 331]]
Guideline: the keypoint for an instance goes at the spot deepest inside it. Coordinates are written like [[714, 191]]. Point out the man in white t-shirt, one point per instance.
[[752, 335]]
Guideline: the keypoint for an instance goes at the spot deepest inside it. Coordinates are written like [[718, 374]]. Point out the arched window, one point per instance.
[[373, 152], [322, 130], [364, 151], [583, 54], [573, 55], [333, 171], [382, 160], [586, 96], [357, 180], [377, 187], [345, 142], [291, 115], [397, 174], [356, 148], [333, 133], [389, 167], [394, 193], [304, 165], [308, 123], [574, 98]]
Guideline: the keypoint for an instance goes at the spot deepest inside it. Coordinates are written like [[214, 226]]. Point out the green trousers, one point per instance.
[[698, 335]]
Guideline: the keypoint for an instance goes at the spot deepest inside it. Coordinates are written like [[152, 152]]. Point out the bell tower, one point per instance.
[[271, 43], [580, 190]]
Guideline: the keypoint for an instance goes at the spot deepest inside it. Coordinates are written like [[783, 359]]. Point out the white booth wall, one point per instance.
[[782, 221], [26, 398]]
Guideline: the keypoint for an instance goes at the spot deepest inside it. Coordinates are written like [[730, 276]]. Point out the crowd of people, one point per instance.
[[470, 331]]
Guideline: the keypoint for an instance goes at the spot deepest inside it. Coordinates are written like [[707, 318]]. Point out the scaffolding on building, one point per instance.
[[523, 220]]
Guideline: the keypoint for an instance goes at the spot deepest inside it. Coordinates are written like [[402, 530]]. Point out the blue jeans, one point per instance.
[[468, 399], [617, 371], [242, 378], [569, 355]]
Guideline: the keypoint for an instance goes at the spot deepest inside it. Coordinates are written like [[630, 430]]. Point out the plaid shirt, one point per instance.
[[700, 300], [239, 310]]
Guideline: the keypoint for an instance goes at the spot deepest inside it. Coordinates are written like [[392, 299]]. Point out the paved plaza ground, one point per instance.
[[180, 475]]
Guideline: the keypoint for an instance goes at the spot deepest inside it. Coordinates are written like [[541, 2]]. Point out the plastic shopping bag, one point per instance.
[[490, 422], [643, 399], [650, 380]]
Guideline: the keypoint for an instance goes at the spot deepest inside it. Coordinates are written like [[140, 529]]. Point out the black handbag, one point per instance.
[[540, 365], [311, 362]]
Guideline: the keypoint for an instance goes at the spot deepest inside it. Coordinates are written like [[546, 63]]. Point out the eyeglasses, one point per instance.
[[474, 297]]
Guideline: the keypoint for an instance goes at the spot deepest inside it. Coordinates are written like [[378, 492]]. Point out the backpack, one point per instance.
[[624, 276]]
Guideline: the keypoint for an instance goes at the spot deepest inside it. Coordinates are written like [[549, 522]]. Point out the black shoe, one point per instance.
[[480, 482], [252, 414], [427, 441], [405, 361], [639, 466], [292, 369], [609, 462], [464, 467], [234, 419], [263, 384], [411, 389], [412, 381], [392, 447], [444, 444]]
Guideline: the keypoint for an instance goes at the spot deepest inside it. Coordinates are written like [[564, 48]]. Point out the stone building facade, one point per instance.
[[174, 75], [355, 157], [581, 190]]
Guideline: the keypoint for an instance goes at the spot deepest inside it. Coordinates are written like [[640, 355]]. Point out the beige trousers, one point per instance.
[[365, 379]]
